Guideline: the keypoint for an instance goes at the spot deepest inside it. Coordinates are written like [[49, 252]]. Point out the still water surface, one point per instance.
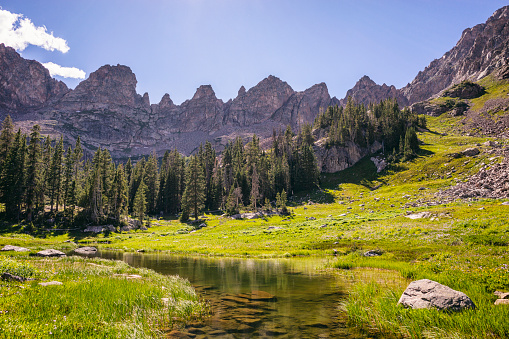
[[283, 298]]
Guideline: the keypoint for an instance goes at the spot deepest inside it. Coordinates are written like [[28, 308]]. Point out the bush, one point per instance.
[[16, 268]]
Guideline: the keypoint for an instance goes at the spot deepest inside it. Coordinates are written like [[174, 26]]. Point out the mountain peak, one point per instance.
[[204, 91]]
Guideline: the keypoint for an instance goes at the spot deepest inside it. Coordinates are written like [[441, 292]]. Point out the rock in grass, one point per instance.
[[426, 293], [50, 253], [86, 250], [14, 248], [470, 152], [502, 302], [50, 283], [373, 253], [501, 295], [11, 277]]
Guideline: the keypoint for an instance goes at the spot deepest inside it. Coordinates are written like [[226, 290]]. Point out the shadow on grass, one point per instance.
[[364, 173]]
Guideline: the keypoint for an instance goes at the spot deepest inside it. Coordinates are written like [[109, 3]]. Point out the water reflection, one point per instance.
[[286, 298]]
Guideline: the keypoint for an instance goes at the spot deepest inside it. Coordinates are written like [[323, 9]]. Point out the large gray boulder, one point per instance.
[[86, 250], [426, 293], [14, 248], [50, 253]]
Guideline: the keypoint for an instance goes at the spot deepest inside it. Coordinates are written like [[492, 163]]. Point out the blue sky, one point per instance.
[[176, 46]]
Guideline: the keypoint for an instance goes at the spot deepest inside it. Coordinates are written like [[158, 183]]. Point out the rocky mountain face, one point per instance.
[[25, 84], [480, 51], [367, 91], [106, 111]]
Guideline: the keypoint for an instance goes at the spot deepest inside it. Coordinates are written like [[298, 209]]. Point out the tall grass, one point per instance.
[[94, 303], [375, 306]]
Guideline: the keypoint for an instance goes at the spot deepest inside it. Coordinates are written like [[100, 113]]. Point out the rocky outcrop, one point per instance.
[[25, 84], [203, 112], [427, 293], [490, 182], [302, 107], [464, 90], [366, 91], [258, 103], [480, 50], [108, 88], [337, 158]]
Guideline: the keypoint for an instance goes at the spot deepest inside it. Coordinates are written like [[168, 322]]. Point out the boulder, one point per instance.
[[86, 250], [373, 253], [99, 229], [50, 253], [11, 277], [50, 283], [464, 90], [380, 163], [501, 295], [426, 293], [14, 248], [502, 302], [470, 152]]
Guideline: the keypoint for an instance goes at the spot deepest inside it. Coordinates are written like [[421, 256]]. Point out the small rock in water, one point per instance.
[[427, 293], [86, 250]]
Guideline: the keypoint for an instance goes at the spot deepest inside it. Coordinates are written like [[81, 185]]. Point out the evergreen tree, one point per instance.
[[411, 144], [12, 176], [255, 189], [119, 194], [194, 193], [47, 154], [140, 202], [78, 170], [34, 180], [6, 139], [68, 187], [151, 181], [95, 187], [55, 175]]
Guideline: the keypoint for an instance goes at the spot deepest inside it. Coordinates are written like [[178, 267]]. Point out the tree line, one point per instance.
[[39, 179]]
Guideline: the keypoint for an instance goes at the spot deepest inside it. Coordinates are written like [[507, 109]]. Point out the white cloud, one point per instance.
[[19, 32], [66, 72]]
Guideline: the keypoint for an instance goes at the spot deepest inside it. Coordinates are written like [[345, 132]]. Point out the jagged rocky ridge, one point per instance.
[[481, 50], [106, 111]]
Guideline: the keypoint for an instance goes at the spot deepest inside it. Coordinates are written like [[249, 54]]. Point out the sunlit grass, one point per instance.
[[94, 301]]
